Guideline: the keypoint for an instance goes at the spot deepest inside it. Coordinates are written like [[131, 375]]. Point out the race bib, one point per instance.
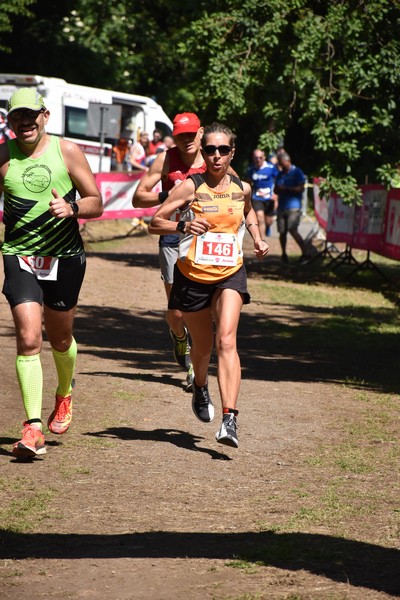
[[217, 249], [43, 267], [264, 192]]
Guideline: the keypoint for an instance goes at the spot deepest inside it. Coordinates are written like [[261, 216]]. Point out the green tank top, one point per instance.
[[30, 229]]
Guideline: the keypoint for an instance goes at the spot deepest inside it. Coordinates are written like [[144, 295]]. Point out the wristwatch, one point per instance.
[[75, 207], [181, 226]]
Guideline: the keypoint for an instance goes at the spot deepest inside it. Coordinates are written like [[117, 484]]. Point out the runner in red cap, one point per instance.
[[171, 168]]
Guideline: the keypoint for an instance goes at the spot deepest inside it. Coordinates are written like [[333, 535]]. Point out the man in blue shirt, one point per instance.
[[261, 175], [289, 186]]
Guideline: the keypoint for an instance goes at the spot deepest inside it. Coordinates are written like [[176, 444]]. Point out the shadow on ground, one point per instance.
[[181, 439], [335, 345], [354, 563]]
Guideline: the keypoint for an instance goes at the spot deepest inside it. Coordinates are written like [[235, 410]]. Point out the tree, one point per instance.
[[10, 10], [322, 76]]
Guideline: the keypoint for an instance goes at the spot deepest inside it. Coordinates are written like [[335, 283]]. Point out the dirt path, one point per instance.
[[138, 501]]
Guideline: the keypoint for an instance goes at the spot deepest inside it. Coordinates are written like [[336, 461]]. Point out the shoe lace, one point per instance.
[[230, 421], [203, 397], [30, 432], [182, 347], [62, 408]]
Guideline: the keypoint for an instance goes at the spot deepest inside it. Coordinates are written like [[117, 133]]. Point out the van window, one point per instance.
[[75, 122], [132, 118], [75, 125]]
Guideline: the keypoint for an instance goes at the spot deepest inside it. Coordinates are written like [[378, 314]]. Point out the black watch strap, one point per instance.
[[75, 207]]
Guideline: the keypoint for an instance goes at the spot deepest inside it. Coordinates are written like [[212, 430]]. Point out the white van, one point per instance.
[[69, 103]]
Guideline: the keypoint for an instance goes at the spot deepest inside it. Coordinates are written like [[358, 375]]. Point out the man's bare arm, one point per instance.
[[90, 203], [144, 197]]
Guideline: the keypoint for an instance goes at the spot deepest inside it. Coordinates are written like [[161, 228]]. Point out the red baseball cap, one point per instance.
[[186, 123]]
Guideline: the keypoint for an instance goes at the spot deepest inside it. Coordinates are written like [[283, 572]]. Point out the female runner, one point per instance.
[[210, 283]]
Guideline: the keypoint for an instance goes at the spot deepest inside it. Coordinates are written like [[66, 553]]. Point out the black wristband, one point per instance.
[[162, 196]]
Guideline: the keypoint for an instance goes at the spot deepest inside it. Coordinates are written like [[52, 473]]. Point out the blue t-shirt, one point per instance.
[[263, 179], [293, 178]]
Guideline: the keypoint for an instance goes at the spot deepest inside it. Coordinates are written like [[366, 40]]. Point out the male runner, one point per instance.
[[171, 168], [43, 254]]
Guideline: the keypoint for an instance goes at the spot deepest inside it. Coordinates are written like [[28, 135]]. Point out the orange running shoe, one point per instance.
[[61, 417], [31, 444]]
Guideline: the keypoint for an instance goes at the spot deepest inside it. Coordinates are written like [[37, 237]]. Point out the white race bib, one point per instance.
[[217, 249], [43, 267]]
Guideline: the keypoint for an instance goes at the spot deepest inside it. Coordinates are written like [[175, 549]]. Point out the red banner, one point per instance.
[[340, 221], [369, 219], [373, 226], [117, 191], [392, 225]]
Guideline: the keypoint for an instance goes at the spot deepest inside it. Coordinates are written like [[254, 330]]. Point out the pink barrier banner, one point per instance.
[[320, 205], [391, 239], [340, 221], [369, 219], [374, 226], [117, 190]]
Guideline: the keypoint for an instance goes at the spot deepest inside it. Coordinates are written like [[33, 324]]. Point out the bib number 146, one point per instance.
[[217, 249]]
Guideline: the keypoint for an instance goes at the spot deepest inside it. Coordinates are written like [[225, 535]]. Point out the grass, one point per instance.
[[256, 596], [328, 323], [345, 478], [24, 504], [349, 492]]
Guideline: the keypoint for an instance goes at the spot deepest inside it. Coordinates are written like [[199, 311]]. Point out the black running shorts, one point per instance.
[[21, 286], [267, 206], [191, 296]]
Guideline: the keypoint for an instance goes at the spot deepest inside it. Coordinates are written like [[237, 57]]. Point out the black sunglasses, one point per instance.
[[210, 150], [26, 113]]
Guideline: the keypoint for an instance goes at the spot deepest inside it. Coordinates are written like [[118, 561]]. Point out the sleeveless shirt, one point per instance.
[[30, 229], [178, 171], [218, 253]]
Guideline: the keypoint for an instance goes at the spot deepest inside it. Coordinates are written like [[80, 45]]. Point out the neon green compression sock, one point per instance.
[[30, 379], [65, 365]]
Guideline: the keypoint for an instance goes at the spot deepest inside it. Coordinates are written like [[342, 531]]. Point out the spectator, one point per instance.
[[120, 150], [137, 154], [289, 186], [168, 142], [5, 132], [155, 143], [273, 158], [262, 175]]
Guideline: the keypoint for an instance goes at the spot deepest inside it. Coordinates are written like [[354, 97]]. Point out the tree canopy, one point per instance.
[[321, 77]]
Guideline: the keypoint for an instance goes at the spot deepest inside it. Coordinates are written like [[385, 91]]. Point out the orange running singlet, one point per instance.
[[217, 254]]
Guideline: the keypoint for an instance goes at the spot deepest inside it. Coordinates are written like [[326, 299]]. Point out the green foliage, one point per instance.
[[324, 77], [8, 12]]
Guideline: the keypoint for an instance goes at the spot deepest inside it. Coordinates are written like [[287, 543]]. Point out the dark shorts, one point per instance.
[[21, 286], [267, 206], [288, 220], [191, 296]]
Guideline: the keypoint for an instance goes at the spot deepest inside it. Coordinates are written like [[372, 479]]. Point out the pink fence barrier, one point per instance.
[[374, 226]]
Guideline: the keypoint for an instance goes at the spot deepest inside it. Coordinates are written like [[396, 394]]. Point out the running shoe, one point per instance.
[[31, 443], [202, 404], [181, 350], [189, 379], [61, 417], [228, 433]]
